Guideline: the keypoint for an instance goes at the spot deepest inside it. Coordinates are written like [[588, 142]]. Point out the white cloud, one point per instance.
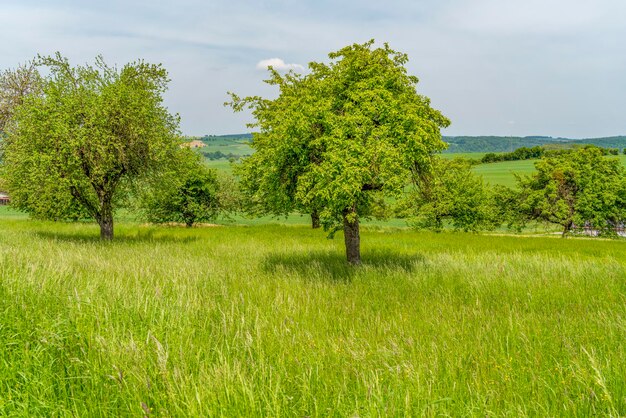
[[279, 65]]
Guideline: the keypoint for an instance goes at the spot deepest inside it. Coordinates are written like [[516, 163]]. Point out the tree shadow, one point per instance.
[[333, 266], [88, 238]]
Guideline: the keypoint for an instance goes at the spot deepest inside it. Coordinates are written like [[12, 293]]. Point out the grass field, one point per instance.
[[502, 173], [230, 146], [270, 321]]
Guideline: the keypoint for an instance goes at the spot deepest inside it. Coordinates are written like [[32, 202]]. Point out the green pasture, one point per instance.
[[220, 165], [465, 155], [502, 173], [269, 320], [229, 146]]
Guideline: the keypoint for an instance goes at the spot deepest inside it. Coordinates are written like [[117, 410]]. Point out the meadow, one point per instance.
[[269, 320], [500, 173], [503, 173]]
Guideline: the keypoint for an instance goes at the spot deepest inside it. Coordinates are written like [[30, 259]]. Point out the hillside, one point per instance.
[[237, 145], [458, 144]]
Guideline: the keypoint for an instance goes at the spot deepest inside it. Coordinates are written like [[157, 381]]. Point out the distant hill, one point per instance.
[[458, 144]]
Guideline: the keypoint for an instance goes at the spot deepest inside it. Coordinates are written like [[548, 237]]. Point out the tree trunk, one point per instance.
[[567, 228], [352, 237], [106, 227], [315, 219], [106, 217]]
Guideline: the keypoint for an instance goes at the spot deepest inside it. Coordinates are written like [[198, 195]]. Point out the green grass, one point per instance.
[[503, 173], [466, 155], [238, 147], [270, 321], [220, 165]]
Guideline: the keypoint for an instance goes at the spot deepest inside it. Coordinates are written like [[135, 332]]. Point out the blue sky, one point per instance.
[[494, 67]]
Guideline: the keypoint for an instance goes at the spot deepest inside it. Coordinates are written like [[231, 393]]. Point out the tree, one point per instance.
[[579, 188], [452, 192], [15, 85], [82, 142], [356, 130], [187, 192]]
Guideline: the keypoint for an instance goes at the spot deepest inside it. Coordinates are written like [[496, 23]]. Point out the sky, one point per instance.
[[493, 67]]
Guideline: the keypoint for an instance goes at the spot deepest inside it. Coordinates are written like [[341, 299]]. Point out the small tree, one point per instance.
[[186, 193], [451, 192], [357, 131], [578, 188], [86, 137]]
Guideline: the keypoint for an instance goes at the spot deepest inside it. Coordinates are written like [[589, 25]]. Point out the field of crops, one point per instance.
[[269, 320]]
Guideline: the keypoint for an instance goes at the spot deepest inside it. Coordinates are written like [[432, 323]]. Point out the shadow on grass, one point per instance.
[[333, 266], [87, 238]]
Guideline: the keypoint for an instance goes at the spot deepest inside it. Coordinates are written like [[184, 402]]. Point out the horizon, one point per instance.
[[445, 136]]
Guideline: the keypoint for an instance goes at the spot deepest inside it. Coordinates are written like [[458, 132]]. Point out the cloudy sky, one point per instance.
[[494, 67]]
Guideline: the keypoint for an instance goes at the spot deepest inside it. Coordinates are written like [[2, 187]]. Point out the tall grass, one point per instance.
[[270, 321]]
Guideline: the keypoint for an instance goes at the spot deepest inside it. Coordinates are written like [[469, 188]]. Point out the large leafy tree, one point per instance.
[[578, 188], [91, 132], [340, 138]]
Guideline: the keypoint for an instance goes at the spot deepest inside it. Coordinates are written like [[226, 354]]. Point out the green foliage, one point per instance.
[[284, 147], [341, 137], [534, 153], [522, 153], [580, 188], [229, 194], [75, 148], [492, 144], [186, 192], [451, 193]]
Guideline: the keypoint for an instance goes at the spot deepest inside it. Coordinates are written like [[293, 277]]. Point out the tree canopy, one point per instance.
[[341, 138], [79, 144], [579, 188]]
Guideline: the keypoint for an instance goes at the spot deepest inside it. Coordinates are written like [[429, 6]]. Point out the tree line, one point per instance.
[[524, 153], [351, 139], [499, 144]]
